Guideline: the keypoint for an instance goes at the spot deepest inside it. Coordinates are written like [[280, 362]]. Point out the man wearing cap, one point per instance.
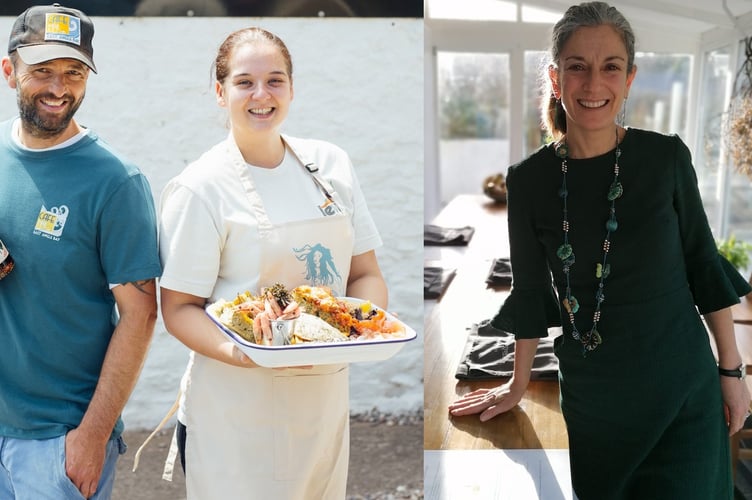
[[77, 311]]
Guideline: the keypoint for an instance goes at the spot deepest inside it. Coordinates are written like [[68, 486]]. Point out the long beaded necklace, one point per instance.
[[592, 338]]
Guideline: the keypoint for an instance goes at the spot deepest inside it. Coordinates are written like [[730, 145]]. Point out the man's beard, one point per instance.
[[37, 125]]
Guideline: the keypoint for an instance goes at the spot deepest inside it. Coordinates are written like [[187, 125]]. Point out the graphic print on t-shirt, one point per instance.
[[320, 269], [50, 223]]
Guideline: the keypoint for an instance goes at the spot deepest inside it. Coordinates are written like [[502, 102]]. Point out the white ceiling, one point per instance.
[[694, 17]]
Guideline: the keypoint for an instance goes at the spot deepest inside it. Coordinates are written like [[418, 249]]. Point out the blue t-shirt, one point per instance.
[[75, 220]]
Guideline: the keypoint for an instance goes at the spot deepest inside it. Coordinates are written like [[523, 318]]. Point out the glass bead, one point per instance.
[[611, 225], [615, 191], [571, 304], [564, 251], [602, 271], [591, 340], [596, 336]]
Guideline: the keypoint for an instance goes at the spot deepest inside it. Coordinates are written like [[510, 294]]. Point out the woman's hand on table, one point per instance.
[[488, 402]]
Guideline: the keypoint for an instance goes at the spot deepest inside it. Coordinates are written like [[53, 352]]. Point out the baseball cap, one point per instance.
[[46, 32]]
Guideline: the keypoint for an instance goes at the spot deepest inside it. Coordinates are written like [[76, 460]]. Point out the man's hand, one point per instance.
[[84, 460]]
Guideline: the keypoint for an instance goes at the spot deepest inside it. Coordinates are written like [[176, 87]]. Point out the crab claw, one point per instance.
[[273, 304], [292, 311]]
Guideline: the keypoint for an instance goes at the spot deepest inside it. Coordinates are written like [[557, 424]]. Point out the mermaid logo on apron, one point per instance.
[[320, 269]]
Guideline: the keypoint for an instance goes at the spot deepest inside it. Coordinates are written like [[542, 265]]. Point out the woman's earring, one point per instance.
[[622, 117]]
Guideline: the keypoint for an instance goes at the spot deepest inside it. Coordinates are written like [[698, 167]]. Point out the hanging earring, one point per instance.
[[622, 116]]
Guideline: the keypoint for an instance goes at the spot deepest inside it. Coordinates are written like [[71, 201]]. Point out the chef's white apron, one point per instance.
[[260, 433]]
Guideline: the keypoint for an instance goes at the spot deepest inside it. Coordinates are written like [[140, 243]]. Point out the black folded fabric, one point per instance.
[[435, 280], [438, 235], [489, 354], [500, 273]]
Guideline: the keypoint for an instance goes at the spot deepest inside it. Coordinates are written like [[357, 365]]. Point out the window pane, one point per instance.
[[473, 95], [535, 136], [658, 97], [739, 201], [714, 90], [727, 194]]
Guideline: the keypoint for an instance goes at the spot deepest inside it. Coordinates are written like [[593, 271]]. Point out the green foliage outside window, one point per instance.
[[735, 251], [473, 95]]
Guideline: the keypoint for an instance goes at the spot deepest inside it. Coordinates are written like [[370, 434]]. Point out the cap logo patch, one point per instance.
[[63, 28]]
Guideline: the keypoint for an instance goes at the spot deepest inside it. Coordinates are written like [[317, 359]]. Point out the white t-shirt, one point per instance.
[[208, 231], [16, 137], [287, 181]]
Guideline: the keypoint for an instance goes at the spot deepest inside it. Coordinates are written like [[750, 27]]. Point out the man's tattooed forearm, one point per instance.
[[141, 285]]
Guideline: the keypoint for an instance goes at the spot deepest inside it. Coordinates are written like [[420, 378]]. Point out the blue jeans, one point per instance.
[[34, 469]]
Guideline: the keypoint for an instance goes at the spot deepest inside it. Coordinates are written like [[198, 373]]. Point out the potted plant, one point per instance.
[[735, 251]]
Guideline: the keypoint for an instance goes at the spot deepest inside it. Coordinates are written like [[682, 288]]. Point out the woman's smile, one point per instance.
[[592, 104], [261, 111]]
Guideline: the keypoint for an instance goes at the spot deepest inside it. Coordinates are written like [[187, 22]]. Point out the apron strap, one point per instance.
[[166, 418], [264, 224], [257, 206], [169, 465], [311, 167]]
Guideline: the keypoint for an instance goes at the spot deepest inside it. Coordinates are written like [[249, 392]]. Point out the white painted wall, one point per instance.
[[358, 83]]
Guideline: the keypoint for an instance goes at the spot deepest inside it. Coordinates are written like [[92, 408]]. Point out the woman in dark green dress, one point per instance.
[[614, 215]]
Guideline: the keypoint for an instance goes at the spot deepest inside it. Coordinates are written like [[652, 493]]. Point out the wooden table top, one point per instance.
[[537, 421]]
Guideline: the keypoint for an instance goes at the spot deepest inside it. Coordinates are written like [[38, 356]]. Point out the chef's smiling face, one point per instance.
[[592, 78], [258, 89]]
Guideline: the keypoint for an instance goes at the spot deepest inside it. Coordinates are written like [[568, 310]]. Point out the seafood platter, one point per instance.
[[307, 325]]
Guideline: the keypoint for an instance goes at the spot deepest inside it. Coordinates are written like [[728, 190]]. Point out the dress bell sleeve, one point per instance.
[[714, 282], [531, 307]]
